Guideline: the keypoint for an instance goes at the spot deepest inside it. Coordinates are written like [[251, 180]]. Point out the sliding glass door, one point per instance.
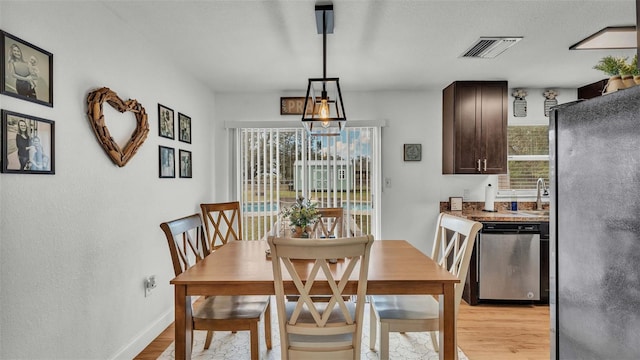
[[277, 165]]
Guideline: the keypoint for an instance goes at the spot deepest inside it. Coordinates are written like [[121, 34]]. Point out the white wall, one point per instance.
[[76, 246]]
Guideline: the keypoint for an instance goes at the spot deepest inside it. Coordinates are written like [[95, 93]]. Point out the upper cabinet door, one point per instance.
[[474, 128], [494, 128]]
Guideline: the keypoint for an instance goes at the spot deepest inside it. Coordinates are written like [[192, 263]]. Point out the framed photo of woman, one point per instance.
[[27, 70], [184, 123], [28, 144]]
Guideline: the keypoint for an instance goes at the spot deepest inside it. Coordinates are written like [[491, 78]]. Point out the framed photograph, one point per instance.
[[28, 144], [184, 123], [26, 71], [185, 163], [166, 124], [412, 152], [167, 162]]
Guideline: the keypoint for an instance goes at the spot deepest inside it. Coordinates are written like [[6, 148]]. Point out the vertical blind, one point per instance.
[[278, 165]]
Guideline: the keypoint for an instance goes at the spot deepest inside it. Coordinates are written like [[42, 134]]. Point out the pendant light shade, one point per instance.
[[323, 109], [324, 113]]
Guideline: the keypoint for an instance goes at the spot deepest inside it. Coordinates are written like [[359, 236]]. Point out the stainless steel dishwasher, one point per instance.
[[509, 261]]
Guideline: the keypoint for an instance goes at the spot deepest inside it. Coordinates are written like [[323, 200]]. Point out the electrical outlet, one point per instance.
[[149, 284]]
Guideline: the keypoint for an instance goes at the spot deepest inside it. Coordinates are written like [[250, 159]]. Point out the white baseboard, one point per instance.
[[138, 344]]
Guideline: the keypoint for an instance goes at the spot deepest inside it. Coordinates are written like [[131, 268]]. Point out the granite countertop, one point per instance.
[[526, 212]]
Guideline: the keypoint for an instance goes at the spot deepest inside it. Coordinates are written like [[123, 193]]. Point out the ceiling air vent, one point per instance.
[[490, 47]]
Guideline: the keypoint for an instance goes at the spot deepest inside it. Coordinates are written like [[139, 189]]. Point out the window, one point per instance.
[[528, 157]]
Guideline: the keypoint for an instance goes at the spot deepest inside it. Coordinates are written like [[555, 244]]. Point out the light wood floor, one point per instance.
[[504, 332], [485, 332]]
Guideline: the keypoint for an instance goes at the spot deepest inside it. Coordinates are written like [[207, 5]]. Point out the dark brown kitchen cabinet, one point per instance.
[[474, 127], [592, 90]]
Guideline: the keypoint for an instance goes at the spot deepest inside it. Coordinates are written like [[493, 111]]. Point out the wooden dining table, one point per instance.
[[242, 268]]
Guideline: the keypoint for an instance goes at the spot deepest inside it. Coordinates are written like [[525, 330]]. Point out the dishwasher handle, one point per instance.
[[510, 228]]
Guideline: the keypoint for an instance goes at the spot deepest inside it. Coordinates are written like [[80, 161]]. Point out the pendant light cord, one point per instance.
[[324, 51]]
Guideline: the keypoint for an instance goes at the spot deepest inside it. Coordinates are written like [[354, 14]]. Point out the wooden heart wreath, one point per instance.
[[95, 99]]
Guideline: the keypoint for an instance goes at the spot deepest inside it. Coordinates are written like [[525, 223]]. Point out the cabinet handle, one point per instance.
[[479, 165], [485, 165]]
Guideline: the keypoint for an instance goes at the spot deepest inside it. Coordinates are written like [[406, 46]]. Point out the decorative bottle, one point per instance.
[[514, 201]]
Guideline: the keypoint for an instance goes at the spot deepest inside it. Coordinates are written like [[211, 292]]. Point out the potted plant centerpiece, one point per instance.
[[301, 214]]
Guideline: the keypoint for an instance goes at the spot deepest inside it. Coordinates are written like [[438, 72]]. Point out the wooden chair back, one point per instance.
[[187, 243], [326, 328], [452, 247], [330, 224], [222, 223]]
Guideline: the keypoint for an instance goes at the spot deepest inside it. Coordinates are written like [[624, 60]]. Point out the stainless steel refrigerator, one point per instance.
[[595, 228]]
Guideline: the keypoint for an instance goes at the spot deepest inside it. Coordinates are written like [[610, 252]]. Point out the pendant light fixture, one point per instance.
[[323, 109]]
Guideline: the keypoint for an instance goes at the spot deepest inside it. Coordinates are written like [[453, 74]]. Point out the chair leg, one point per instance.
[[255, 347], [267, 325], [384, 341], [434, 340], [373, 326], [207, 341]]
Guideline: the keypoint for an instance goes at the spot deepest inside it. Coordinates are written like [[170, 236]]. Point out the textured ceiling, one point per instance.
[[377, 45]]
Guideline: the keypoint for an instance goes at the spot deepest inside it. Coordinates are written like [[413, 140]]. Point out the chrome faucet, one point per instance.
[[540, 185]]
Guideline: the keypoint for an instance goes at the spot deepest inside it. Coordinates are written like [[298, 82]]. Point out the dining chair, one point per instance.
[[320, 329], [188, 246], [330, 223], [452, 248], [222, 223]]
